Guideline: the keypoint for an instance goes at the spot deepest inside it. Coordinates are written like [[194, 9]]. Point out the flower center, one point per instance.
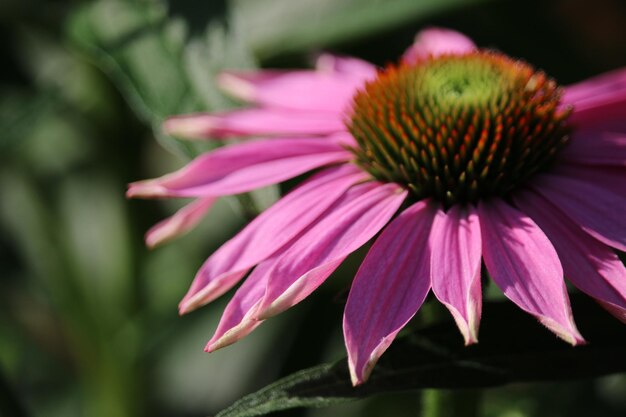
[[458, 128]]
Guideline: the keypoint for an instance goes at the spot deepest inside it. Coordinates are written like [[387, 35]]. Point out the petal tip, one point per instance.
[[155, 238], [191, 302], [183, 309], [236, 86], [212, 346], [569, 333], [356, 378], [145, 189], [189, 127], [434, 41], [470, 339], [222, 339], [188, 305]]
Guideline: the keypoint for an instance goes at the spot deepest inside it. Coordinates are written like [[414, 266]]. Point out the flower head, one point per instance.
[[456, 156]]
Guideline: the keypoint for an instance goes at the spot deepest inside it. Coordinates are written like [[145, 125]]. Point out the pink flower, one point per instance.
[[483, 157]]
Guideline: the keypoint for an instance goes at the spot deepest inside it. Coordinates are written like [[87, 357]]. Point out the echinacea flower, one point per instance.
[[456, 155]]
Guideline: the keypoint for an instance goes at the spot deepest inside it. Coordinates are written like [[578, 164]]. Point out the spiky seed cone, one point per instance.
[[458, 128]]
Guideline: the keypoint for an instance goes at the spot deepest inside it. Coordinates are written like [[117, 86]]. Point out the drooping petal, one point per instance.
[[597, 207], [181, 222], [269, 232], [590, 265], [353, 67], [243, 167], [254, 122], [598, 100], [455, 267], [523, 263], [596, 147], [344, 228], [238, 319], [294, 90], [389, 288], [437, 41]]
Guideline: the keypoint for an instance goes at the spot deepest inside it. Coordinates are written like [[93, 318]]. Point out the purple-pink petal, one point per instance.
[[254, 122], [238, 319], [598, 206], [455, 267], [523, 263], [596, 147], [437, 41], [389, 288], [243, 167], [181, 222], [598, 100], [596, 88], [353, 67], [590, 265], [269, 232], [344, 228], [314, 91]]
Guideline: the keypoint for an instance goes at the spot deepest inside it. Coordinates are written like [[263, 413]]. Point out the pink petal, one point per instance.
[[596, 89], [437, 41], [295, 90], [238, 318], [455, 267], [598, 100], [597, 207], [357, 68], [254, 122], [596, 147], [243, 167], [389, 288], [591, 266], [266, 234], [344, 228], [523, 263], [609, 177], [181, 222]]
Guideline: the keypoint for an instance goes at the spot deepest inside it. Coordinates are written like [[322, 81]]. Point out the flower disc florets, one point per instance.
[[458, 128]]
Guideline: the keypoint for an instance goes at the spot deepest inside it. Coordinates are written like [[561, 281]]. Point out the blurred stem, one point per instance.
[[249, 209], [451, 403]]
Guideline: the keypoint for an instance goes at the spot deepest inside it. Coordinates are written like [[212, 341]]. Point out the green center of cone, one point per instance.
[[458, 128]]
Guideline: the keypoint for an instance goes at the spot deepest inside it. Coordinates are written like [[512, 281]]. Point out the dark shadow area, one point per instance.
[[198, 14]]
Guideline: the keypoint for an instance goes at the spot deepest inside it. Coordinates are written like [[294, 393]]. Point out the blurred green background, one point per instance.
[[88, 318]]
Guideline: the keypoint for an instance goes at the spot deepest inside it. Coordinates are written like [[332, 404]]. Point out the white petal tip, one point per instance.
[[213, 346], [471, 340], [274, 309], [147, 189], [576, 339], [156, 238], [190, 304], [189, 127], [325, 63], [244, 328], [356, 380], [470, 333], [236, 86], [183, 309], [569, 334]]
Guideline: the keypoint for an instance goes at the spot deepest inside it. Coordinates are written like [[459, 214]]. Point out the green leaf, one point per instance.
[[143, 53], [159, 70], [20, 113], [279, 26], [513, 348], [150, 58]]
